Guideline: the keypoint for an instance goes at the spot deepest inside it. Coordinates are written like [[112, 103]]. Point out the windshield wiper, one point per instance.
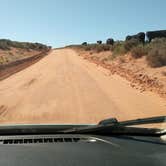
[[104, 127], [151, 120], [112, 126]]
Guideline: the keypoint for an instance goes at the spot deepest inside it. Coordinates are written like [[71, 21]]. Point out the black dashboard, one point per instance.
[[81, 150]]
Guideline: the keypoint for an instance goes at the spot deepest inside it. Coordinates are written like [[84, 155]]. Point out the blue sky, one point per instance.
[[62, 22]]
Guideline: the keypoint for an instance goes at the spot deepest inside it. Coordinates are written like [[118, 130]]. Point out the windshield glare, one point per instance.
[[82, 62]]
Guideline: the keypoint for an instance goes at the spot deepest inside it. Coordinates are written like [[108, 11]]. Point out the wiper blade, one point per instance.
[[151, 120], [112, 126]]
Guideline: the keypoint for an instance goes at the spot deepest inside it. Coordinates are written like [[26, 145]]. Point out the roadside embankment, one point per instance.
[[7, 70], [140, 75]]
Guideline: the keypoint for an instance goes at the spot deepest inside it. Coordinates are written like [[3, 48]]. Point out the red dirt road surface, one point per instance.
[[64, 88]]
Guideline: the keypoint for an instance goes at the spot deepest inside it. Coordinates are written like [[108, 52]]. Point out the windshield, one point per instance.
[[80, 62]]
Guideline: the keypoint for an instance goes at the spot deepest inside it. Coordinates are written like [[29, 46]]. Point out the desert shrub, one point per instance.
[[129, 44], [157, 53], [87, 48], [107, 47], [122, 47], [103, 47], [97, 47], [138, 51], [118, 49], [5, 44], [158, 41], [157, 57]]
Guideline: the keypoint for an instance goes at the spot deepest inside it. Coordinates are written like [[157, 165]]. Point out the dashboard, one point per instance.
[[81, 150]]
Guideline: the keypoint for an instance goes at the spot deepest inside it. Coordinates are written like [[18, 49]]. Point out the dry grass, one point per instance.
[[3, 60], [138, 51], [97, 47], [157, 53], [156, 58]]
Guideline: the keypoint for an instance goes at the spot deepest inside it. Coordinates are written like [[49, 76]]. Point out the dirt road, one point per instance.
[[65, 88]]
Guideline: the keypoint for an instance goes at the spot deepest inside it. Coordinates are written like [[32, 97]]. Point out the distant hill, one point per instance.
[[6, 44], [11, 51]]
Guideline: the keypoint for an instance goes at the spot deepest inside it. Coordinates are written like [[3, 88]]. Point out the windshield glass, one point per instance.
[[79, 62]]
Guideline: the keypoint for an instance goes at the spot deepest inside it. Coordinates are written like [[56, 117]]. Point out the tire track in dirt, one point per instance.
[[64, 88]]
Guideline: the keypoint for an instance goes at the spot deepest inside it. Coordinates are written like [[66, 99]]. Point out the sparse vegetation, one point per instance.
[[156, 57], [157, 53], [130, 44], [122, 57], [103, 47], [118, 49], [138, 51], [13, 50], [6, 44], [96, 47]]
